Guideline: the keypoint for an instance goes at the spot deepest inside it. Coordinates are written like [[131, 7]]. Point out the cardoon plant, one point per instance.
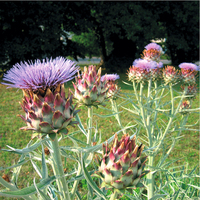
[[148, 107], [48, 111]]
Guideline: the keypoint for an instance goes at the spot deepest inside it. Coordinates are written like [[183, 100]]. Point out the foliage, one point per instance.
[[32, 30]]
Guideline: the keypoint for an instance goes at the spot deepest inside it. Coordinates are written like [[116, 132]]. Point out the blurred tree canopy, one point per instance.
[[115, 31]]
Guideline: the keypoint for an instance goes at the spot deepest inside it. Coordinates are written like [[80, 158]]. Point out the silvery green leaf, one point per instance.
[[127, 83], [16, 171], [158, 196], [28, 190], [67, 155], [42, 194], [90, 181], [17, 165], [110, 115], [44, 166], [7, 185], [78, 195], [27, 149], [37, 169]]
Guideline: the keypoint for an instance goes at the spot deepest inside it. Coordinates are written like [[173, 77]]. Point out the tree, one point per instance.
[[119, 29], [181, 23], [31, 30]]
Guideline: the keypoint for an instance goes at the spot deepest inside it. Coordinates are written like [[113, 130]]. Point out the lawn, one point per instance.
[[187, 149]]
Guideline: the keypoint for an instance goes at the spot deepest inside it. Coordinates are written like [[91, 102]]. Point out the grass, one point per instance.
[[187, 148]]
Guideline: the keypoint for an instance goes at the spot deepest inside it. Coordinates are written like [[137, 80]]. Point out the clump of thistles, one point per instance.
[[170, 74], [47, 110], [122, 166], [152, 52], [112, 85], [89, 89], [141, 70], [188, 72]]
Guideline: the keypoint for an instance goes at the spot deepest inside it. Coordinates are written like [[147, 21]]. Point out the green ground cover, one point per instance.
[[187, 149]]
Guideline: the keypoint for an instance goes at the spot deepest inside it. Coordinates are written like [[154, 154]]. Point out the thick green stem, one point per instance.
[[114, 196], [89, 137], [149, 113], [150, 178], [115, 110], [59, 171], [90, 115], [144, 117]]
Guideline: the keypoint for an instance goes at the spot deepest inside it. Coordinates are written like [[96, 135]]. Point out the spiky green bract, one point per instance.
[[122, 166], [89, 89], [47, 111]]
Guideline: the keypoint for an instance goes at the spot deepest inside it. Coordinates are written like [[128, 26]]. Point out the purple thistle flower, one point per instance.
[[110, 77], [145, 64], [153, 46], [189, 66], [45, 74]]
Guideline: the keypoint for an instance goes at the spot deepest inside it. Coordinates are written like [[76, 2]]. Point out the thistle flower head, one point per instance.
[[170, 74], [122, 165], [41, 74], [154, 46], [89, 89], [44, 103], [189, 66], [188, 72], [112, 85], [152, 52], [184, 107], [110, 77], [145, 64], [141, 70]]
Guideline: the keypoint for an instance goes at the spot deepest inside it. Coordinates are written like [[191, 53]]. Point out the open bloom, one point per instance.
[[89, 89], [112, 85], [141, 70], [188, 72], [122, 166], [47, 110], [109, 77], [45, 74], [152, 52]]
